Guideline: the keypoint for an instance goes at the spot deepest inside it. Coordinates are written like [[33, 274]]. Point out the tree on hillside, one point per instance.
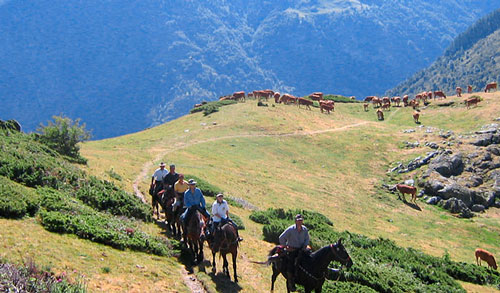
[[63, 135]]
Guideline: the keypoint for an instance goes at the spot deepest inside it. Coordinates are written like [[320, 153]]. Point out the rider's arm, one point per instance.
[[187, 199], [306, 240], [283, 237], [202, 199]]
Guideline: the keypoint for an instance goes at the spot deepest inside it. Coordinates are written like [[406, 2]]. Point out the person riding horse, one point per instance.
[[169, 181], [180, 187], [220, 215], [193, 200], [296, 240], [157, 184]]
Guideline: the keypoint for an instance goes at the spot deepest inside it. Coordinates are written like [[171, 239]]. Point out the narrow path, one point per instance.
[[148, 165], [193, 284]]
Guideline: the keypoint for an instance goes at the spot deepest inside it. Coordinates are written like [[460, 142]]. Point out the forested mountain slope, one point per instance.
[[124, 66], [472, 59]]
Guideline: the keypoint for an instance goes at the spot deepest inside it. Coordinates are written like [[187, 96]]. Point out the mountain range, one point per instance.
[[124, 66], [472, 59]]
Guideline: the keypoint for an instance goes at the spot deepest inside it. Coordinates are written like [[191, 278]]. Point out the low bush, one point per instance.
[[379, 264], [62, 214], [211, 107], [29, 278], [340, 99], [16, 200], [105, 196]]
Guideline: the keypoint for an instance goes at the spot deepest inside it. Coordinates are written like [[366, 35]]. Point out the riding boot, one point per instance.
[[291, 281]]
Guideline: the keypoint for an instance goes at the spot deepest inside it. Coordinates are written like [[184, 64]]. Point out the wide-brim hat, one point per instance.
[[220, 195], [162, 164], [191, 182], [299, 217]]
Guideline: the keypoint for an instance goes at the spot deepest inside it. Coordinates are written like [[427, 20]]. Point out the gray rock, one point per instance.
[[457, 191], [457, 206], [433, 200], [447, 165], [433, 186], [493, 149], [420, 193], [486, 199], [408, 130], [410, 182], [475, 181], [477, 208], [432, 145], [483, 140]]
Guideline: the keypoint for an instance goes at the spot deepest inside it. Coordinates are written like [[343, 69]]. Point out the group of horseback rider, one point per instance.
[[190, 198]]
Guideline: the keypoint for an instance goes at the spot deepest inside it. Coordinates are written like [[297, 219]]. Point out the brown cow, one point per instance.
[[490, 86], [439, 94], [472, 101], [487, 256], [405, 100], [407, 189], [386, 106], [316, 96], [306, 102], [414, 104], [380, 115], [327, 107], [469, 89], [376, 102], [386, 100], [365, 107], [396, 100], [429, 95], [416, 115], [276, 97], [239, 96], [459, 91], [369, 98]]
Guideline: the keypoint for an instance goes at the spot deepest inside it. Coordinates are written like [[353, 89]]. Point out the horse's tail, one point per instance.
[[272, 256]]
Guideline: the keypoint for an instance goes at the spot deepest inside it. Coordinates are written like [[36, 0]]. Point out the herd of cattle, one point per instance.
[[380, 104]]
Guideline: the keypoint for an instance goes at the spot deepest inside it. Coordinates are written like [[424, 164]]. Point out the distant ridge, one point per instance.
[[473, 58]]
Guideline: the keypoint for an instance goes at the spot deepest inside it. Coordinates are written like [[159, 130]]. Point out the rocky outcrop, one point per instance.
[[447, 165], [10, 125]]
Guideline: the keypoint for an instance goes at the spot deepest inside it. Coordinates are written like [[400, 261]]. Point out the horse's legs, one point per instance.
[[235, 255], [214, 269], [274, 276], [200, 252], [225, 266]]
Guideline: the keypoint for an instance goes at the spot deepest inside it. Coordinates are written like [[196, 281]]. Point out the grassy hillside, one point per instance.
[[268, 157], [287, 157]]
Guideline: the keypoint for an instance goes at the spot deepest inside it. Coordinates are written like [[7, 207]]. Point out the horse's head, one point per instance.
[[340, 253]]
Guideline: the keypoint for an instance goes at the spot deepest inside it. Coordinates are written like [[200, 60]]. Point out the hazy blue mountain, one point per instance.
[[126, 65], [473, 58]]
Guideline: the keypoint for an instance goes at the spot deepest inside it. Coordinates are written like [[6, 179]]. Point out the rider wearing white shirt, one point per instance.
[[220, 214]]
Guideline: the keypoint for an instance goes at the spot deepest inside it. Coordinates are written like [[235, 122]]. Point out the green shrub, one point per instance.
[[338, 287], [211, 107], [16, 201], [63, 135], [340, 99], [63, 214]]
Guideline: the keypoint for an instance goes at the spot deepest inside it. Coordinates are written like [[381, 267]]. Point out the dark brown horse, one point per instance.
[[225, 240], [313, 268], [195, 235]]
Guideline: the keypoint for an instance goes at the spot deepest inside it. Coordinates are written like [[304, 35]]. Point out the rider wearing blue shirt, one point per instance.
[[193, 200]]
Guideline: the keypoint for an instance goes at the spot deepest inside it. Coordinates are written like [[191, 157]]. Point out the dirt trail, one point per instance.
[[194, 284], [148, 165]]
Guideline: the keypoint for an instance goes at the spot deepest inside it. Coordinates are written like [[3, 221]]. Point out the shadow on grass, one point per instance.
[[223, 283], [412, 205]]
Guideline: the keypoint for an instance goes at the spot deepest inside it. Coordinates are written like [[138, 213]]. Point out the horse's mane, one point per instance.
[[321, 252]]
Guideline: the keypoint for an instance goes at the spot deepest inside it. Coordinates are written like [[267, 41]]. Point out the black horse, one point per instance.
[[225, 241], [312, 269]]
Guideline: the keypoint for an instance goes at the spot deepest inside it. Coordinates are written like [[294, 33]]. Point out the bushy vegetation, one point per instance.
[[379, 264], [67, 199], [212, 107], [63, 135], [62, 214], [211, 190], [29, 278], [16, 201], [340, 99]]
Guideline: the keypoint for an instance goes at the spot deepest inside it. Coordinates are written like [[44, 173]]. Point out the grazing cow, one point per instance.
[[439, 94], [386, 106], [276, 97], [429, 95], [405, 100], [490, 86], [472, 101], [250, 95], [459, 91], [197, 105], [352, 98], [239, 96], [316, 96], [369, 98], [396, 100], [407, 189], [327, 107], [380, 115], [306, 102], [386, 100], [365, 107], [469, 89], [487, 256], [376, 102], [416, 115], [414, 104], [286, 99]]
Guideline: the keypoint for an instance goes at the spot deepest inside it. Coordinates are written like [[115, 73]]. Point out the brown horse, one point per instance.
[[487, 256], [195, 235], [225, 240]]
